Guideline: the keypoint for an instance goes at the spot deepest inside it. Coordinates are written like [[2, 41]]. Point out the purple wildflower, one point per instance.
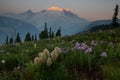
[[111, 43], [65, 50], [93, 43], [84, 47], [104, 54], [101, 42], [79, 48], [77, 45], [83, 44], [89, 50], [18, 67]]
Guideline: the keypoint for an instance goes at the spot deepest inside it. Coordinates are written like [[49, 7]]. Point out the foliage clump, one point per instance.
[[47, 57]]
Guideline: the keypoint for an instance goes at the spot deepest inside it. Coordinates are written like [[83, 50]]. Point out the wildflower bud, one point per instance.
[[18, 67], [3, 61], [35, 45]]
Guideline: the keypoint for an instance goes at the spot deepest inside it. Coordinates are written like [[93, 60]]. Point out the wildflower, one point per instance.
[[49, 61], [46, 52], [3, 61], [7, 52], [84, 47], [89, 50], [57, 50], [58, 38], [104, 54], [27, 50], [111, 43], [101, 42], [46, 57], [72, 41], [42, 60], [72, 49], [77, 45], [83, 44], [40, 54], [36, 60], [35, 45], [18, 67], [93, 43], [54, 55], [43, 57], [64, 50], [62, 42], [79, 48]]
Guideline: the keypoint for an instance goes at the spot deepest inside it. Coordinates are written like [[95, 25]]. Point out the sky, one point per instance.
[[87, 9]]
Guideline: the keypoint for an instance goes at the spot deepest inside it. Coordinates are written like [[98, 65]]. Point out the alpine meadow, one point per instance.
[[79, 40]]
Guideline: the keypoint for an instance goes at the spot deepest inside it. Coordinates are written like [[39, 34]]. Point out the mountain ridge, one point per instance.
[[8, 26], [54, 18], [100, 22]]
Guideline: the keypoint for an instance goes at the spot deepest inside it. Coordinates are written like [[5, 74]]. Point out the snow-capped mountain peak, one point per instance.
[[54, 8], [55, 17], [28, 12]]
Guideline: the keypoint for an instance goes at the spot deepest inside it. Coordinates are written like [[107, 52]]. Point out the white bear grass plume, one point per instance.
[[36, 60], [55, 53], [47, 57], [49, 61]]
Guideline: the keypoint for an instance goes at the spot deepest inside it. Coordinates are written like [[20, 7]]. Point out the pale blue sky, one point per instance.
[[88, 9]]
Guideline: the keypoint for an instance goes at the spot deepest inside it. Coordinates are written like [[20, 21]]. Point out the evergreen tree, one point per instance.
[[35, 37], [28, 37], [41, 35], [58, 33], [7, 39], [18, 37], [11, 40], [115, 19], [45, 31], [50, 33]]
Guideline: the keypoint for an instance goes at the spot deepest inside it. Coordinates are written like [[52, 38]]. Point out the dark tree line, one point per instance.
[[10, 41], [45, 34], [18, 38], [28, 37]]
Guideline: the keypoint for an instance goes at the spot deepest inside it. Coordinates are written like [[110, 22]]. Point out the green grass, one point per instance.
[[70, 65], [111, 72]]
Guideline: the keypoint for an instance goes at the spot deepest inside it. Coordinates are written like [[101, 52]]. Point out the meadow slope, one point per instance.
[[89, 56]]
